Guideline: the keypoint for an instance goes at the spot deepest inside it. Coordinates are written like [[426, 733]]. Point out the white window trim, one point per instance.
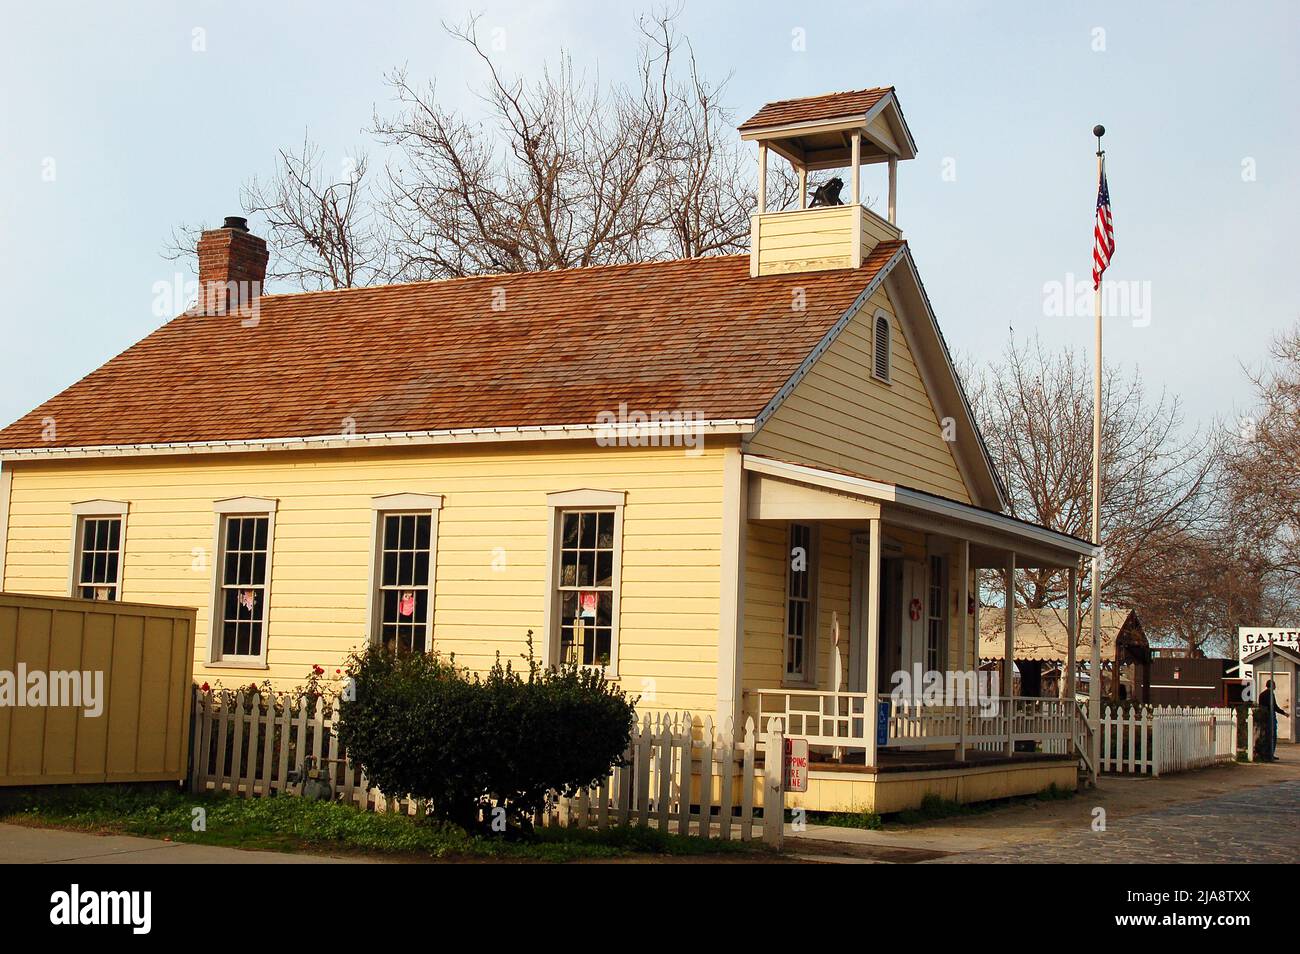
[[400, 503], [91, 509], [240, 507], [888, 377], [809, 677], [581, 499]]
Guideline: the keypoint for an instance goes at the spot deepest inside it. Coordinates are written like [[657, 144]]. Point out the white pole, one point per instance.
[[1094, 684], [870, 755], [893, 190], [762, 178], [963, 630], [856, 152], [1009, 648], [1072, 646]]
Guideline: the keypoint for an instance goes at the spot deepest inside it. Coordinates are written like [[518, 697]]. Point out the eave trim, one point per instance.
[[388, 439], [927, 503]]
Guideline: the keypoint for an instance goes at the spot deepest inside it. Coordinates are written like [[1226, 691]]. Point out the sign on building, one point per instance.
[[1251, 639], [796, 765]]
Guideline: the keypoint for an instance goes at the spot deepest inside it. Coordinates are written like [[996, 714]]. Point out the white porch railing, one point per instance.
[[843, 720]]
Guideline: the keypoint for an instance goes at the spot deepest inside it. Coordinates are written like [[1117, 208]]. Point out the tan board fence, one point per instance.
[[677, 776], [93, 691]]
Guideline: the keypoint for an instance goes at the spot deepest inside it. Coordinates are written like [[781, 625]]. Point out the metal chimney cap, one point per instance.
[[237, 222]]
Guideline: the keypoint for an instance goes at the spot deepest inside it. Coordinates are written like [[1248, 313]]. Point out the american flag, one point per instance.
[[1104, 234]]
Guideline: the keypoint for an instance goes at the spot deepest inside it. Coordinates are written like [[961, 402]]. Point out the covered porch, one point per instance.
[[864, 640]]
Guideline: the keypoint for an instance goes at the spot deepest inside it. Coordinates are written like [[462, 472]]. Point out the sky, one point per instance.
[[120, 121]]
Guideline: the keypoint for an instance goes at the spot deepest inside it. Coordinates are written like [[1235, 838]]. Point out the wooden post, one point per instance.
[[873, 642], [963, 636], [762, 178], [854, 188], [731, 617], [893, 190], [1072, 636], [1009, 647], [773, 784], [803, 187]]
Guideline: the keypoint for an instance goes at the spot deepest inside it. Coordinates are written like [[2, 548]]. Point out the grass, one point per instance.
[[297, 825], [933, 808]]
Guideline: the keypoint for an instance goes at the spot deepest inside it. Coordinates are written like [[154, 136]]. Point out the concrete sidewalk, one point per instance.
[[49, 846]]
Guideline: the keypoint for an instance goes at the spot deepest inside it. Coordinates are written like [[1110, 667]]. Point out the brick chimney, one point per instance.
[[232, 268]]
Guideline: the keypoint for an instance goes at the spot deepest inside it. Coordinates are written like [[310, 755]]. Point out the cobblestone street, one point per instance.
[[1257, 824]]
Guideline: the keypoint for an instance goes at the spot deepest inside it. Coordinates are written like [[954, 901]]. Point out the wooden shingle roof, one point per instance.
[[694, 335], [812, 108]]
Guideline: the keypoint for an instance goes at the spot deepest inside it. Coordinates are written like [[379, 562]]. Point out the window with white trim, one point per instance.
[[800, 604], [99, 557], [587, 529], [586, 587], [936, 615], [404, 566], [242, 581], [882, 348], [244, 551]]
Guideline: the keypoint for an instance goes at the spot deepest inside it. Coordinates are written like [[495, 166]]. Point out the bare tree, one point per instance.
[[1262, 470], [560, 172], [322, 229], [568, 173], [1035, 411]]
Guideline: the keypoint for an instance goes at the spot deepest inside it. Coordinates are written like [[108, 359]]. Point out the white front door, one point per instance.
[[912, 617]]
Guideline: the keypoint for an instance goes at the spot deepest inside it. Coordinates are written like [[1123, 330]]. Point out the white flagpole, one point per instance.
[[1094, 689]]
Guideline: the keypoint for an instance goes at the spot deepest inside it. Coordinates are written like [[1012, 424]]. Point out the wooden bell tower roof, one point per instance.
[[815, 132]]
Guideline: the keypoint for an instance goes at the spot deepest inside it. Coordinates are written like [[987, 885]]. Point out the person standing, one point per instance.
[[1268, 712]]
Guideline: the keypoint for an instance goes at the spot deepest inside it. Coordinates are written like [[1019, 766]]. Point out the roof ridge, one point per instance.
[[843, 92], [455, 279]]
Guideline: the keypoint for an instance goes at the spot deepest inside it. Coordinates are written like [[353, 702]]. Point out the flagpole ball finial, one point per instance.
[[1099, 130]]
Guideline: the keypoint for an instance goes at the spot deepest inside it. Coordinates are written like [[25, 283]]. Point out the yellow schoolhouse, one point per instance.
[[741, 484]]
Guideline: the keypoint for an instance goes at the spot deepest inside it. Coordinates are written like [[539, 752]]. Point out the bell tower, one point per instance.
[[833, 131]]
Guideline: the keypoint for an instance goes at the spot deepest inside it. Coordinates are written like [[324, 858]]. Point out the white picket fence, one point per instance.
[[690, 780], [249, 743], [677, 776], [1155, 740]]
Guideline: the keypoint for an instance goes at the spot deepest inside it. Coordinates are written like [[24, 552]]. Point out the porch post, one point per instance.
[[1009, 656], [762, 178], [1072, 635], [856, 177], [963, 636], [873, 641], [893, 190], [731, 609]]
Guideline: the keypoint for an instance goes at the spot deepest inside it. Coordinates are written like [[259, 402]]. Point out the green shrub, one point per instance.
[[420, 725]]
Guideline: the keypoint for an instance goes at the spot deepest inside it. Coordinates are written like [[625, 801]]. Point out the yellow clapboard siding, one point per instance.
[[840, 416], [764, 605], [494, 513]]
